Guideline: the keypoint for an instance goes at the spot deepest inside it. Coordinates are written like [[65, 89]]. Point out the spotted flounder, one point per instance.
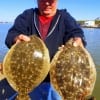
[[26, 64], [73, 72]]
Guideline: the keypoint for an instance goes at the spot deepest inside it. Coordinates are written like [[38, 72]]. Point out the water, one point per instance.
[[93, 46], [3, 31], [93, 43]]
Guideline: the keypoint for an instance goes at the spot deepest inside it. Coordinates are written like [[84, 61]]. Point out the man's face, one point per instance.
[[47, 7]]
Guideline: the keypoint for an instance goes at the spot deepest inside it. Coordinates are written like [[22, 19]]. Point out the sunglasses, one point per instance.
[[47, 0]]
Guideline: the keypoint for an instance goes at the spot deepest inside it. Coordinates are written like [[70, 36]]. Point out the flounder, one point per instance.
[[73, 72], [26, 65]]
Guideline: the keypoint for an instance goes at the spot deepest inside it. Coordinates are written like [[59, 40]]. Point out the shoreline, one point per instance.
[[90, 27]]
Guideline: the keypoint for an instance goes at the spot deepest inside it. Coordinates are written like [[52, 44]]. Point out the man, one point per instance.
[[54, 27]]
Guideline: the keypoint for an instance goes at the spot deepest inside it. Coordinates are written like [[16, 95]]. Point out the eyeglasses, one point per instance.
[[47, 1]]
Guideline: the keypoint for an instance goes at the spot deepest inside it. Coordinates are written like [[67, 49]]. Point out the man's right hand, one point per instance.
[[21, 37]]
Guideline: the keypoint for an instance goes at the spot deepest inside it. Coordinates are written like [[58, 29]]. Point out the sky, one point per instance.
[[79, 9]]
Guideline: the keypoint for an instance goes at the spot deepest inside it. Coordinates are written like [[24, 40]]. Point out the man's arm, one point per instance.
[[19, 27], [73, 30]]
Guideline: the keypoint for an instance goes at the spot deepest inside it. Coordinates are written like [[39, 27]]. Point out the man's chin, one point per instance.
[[46, 13]]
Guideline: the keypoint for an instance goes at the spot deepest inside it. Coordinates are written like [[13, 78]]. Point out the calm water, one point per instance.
[[3, 30], [93, 45]]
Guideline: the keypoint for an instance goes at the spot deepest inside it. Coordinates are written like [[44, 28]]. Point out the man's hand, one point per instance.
[[77, 41], [22, 37]]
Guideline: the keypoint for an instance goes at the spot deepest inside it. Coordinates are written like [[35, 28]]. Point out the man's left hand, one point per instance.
[[77, 41]]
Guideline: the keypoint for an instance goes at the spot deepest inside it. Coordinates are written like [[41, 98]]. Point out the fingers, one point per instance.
[[61, 47], [77, 41], [22, 37]]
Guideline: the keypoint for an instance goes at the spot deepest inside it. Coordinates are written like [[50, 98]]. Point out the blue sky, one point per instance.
[[79, 9]]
